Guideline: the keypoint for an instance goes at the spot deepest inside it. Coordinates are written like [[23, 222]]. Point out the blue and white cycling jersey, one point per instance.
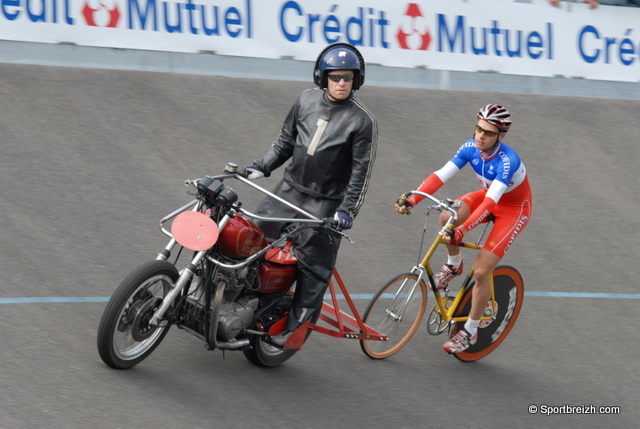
[[500, 173]]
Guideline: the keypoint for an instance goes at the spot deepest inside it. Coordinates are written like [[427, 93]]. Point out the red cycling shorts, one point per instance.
[[510, 220]]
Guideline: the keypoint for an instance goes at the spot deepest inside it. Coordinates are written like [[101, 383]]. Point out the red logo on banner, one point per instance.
[[417, 35], [102, 16]]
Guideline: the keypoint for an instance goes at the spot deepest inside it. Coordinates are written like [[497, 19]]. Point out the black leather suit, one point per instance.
[[332, 147]]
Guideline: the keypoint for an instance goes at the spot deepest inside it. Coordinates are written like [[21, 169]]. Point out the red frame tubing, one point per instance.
[[333, 316]]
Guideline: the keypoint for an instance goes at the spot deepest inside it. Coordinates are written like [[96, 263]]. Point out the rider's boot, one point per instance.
[[291, 340], [280, 339]]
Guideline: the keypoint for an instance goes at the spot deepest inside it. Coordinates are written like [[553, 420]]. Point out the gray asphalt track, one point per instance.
[[92, 159]]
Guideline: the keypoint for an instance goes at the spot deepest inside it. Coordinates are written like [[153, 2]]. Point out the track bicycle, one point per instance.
[[398, 308]]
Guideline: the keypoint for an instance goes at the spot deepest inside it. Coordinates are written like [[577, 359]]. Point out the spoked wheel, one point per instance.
[[509, 291], [125, 337], [395, 311]]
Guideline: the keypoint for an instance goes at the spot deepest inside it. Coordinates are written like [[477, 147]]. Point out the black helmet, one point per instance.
[[339, 56]]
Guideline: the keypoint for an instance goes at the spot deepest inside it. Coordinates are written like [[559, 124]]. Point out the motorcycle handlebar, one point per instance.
[[233, 171], [243, 172], [329, 222]]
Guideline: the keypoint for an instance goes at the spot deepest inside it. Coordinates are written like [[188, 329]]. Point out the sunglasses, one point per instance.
[[488, 133], [337, 77]]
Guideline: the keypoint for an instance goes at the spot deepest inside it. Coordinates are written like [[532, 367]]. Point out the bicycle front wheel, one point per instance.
[[395, 311], [509, 293]]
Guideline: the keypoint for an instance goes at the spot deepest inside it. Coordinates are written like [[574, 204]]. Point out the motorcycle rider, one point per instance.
[[330, 137]]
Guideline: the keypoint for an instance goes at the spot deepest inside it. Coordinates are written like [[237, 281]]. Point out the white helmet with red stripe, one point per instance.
[[496, 115]]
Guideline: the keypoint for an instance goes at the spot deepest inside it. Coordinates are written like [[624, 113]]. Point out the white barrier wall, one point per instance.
[[525, 37]]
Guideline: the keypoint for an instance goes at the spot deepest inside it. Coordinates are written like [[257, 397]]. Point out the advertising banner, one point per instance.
[[503, 36]]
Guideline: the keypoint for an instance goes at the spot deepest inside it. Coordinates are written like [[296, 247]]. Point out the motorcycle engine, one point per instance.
[[236, 316], [238, 306]]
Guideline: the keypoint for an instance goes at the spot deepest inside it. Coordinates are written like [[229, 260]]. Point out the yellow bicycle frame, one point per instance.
[[447, 314], [425, 266]]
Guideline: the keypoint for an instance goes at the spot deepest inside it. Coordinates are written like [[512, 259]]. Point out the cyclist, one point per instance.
[[330, 137], [505, 198]]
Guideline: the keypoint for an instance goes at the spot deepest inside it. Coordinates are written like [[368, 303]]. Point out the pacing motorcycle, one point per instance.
[[233, 292]]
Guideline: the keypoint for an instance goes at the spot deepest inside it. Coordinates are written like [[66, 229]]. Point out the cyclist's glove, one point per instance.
[[403, 201], [456, 236]]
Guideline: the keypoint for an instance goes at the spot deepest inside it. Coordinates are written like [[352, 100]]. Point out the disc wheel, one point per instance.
[[509, 293], [396, 311], [125, 337]]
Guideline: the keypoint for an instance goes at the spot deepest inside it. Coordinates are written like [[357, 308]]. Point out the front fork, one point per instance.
[[184, 278], [187, 273]]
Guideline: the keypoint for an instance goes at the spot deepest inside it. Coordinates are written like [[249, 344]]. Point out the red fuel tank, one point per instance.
[[279, 270], [241, 238]]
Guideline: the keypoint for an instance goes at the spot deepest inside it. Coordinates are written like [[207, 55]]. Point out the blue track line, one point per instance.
[[355, 296]]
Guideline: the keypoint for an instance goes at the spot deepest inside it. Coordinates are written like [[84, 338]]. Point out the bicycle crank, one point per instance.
[[435, 324]]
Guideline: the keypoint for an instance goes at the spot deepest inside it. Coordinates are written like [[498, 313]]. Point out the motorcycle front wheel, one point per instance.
[[125, 337]]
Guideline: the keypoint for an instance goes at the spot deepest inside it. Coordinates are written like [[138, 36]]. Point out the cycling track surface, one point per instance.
[[92, 159]]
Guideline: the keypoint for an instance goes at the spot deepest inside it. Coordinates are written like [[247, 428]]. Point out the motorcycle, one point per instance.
[[233, 292]]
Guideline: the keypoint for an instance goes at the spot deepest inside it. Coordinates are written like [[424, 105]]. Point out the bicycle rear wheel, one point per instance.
[[509, 293], [395, 311]]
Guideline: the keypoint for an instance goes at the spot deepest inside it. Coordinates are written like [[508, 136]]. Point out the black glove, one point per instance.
[[404, 202]]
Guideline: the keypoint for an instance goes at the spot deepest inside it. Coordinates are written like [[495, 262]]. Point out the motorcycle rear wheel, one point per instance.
[[124, 335], [263, 354]]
